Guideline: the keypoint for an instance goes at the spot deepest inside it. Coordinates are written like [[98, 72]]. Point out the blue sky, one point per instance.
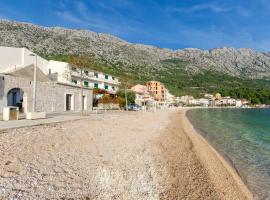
[[171, 24]]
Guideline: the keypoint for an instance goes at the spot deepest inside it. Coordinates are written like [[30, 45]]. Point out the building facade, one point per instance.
[[157, 90], [50, 96], [53, 94], [65, 73], [143, 96]]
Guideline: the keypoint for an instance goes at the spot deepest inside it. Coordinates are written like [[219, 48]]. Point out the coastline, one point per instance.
[[120, 155], [222, 173]]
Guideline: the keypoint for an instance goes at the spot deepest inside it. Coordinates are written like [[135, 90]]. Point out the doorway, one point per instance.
[[69, 102], [84, 103], [15, 97]]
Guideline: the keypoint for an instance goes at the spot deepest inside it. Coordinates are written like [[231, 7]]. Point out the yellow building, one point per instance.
[[218, 96]]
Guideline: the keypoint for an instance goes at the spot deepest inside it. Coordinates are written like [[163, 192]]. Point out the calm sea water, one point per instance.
[[242, 136]]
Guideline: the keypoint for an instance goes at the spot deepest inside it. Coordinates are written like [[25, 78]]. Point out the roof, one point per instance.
[[142, 89], [27, 72]]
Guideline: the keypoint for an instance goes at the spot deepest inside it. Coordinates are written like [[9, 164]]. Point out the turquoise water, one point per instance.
[[242, 136]]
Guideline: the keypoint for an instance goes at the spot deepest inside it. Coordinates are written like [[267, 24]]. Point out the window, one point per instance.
[[95, 85], [96, 74], [85, 83], [106, 87], [74, 81], [113, 88], [86, 72], [113, 78], [106, 76]]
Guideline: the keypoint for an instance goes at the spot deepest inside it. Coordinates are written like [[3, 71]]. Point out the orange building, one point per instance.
[[157, 89]]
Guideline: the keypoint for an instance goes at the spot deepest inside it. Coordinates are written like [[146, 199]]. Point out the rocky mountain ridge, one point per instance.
[[115, 51]]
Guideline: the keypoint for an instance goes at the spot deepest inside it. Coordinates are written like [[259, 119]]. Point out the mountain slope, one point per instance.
[[114, 51], [239, 73]]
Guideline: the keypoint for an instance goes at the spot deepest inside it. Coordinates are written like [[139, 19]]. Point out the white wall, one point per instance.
[[12, 58], [28, 60], [62, 68]]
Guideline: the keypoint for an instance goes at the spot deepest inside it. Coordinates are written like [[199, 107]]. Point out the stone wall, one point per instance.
[[50, 96]]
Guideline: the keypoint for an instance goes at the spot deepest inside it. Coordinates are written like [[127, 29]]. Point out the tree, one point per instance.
[[125, 84], [79, 62], [128, 95]]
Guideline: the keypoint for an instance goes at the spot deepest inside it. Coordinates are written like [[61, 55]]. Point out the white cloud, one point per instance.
[[216, 8], [68, 17]]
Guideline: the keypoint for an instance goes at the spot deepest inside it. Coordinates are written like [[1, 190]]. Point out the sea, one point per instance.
[[242, 137]]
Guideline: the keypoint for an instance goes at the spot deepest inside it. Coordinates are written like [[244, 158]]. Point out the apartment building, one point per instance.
[[67, 74], [157, 90]]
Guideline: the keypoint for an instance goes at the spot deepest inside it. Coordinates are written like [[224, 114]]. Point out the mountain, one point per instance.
[[240, 73], [112, 50]]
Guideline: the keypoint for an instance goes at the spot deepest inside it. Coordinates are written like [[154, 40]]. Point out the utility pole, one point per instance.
[[126, 98], [34, 84], [82, 99]]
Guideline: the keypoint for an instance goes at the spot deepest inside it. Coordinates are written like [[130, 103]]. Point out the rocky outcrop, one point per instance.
[[110, 49]]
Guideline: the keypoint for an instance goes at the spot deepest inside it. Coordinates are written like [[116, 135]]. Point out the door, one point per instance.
[[68, 102], [84, 103], [14, 98]]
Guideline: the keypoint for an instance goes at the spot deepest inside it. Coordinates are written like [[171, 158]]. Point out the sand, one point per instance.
[[121, 155]]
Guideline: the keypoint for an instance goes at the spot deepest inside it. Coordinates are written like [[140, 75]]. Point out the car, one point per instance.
[[133, 107]]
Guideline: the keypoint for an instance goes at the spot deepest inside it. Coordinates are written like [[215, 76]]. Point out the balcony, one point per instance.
[[92, 77]]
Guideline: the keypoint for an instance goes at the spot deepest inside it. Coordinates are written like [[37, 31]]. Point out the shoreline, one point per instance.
[[115, 156], [209, 154]]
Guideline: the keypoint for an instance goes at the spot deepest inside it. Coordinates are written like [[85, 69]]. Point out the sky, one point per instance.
[[173, 24]]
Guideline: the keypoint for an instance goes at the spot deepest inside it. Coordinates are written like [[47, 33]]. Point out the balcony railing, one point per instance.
[[92, 77]]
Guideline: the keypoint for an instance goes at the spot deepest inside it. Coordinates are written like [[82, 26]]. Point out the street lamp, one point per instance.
[[34, 83]]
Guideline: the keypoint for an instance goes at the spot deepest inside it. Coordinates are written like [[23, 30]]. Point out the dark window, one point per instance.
[[96, 74], [113, 78], [113, 88], [86, 72], [74, 81], [96, 85], [106, 87], [85, 83], [106, 77]]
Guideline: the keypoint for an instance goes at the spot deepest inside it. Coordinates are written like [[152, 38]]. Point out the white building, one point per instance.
[[143, 96], [67, 74], [57, 89], [228, 101], [169, 98], [238, 103], [204, 102], [209, 96], [12, 59], [187, 100]]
